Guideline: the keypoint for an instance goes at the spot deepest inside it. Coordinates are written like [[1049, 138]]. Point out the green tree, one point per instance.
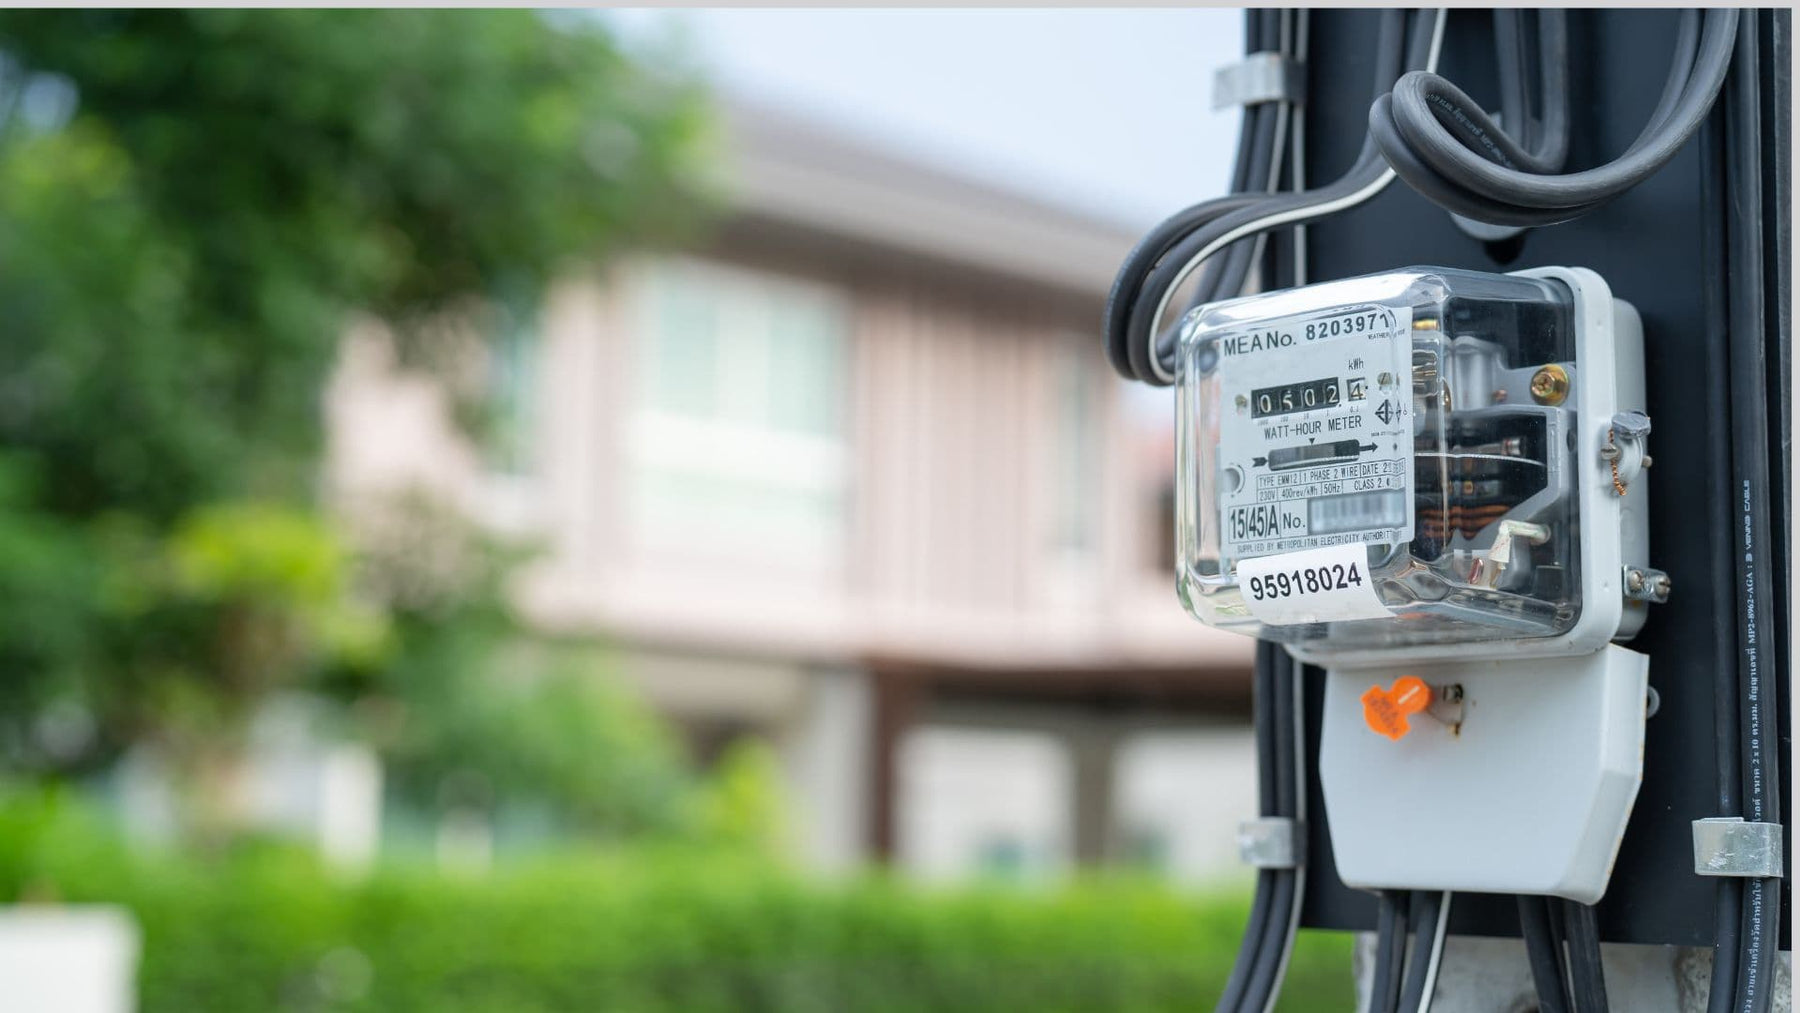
[[192, 205]]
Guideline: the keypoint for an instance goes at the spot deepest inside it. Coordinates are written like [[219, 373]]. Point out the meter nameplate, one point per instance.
[[1315, 431], [1324, 585]]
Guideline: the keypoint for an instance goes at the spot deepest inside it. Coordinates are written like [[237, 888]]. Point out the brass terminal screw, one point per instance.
[[1550, 385]]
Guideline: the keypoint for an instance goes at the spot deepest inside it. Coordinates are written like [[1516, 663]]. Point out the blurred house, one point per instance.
[[854, 478]]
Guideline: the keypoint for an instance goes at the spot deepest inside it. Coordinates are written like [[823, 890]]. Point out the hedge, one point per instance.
[[272, 930]]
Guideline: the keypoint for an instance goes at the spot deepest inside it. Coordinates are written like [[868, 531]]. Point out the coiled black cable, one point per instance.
[[1443, 145], [1428, 132], [1174, 249]]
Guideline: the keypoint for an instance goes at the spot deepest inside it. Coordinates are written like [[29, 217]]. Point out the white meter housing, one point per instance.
[[1415, 465], [1431, 482]]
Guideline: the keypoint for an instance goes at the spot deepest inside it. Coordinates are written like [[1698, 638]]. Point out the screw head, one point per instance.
[[1550, 385]]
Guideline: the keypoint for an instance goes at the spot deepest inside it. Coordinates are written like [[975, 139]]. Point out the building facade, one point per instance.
[[852, 477]]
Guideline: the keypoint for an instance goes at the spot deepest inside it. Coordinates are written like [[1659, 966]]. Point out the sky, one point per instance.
[[1104, 111]]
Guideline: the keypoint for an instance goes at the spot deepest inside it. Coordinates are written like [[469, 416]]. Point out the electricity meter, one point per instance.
[[1416, 464], [1431, 482]]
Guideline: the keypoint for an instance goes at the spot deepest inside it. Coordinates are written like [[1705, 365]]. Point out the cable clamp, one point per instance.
[[1272, 842], [1729, 846], [1258, 78]]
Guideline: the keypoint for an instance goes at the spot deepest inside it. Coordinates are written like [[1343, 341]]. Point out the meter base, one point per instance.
[[1529, 793]]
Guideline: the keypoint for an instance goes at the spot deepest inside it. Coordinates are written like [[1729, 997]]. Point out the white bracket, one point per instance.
[[1258, 78], [1272, 842], [1728, 846]]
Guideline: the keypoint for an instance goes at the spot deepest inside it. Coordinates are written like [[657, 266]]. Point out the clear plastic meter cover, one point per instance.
[[1420, 422]]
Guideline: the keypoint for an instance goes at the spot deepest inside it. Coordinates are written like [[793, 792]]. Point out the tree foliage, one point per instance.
[[192, 204], [230, 183]]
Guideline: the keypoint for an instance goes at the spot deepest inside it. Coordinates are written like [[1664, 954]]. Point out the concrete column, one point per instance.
[[1093, 754], [826, 754]]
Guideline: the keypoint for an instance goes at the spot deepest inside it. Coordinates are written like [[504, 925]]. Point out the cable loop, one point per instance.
[[1428, 132]]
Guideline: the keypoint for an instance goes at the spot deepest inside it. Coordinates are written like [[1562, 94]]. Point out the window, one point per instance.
[[737, 448]]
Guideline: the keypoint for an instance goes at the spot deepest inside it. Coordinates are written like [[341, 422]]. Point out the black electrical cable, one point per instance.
[[1429, 912], [1132, 346], [1747, 350], [1366, 178], [1776, 54], [1417, 901], [1729, 894], [1256, 974], [1256, 160], [1546, 135], [1509, 62], [1256, 125], [1265, 976], [1559, 944], [1263, 129], [1163, 260], [1263, 721], [1587, 981], [1390, 952], [1271, 955], [1240, 172], [1541, 952], [1446, 147]]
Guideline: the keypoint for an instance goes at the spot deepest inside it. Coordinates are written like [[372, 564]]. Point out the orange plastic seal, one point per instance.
[[1386, 710]]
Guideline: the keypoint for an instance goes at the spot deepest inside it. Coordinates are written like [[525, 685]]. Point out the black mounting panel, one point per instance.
[[1649, 246]]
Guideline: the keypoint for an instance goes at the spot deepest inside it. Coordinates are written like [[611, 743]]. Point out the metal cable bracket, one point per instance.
[[1257, 78], [1729, 846], [1272, 842]]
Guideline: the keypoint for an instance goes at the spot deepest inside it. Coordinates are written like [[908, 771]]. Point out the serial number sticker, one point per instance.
[[1322, 585]]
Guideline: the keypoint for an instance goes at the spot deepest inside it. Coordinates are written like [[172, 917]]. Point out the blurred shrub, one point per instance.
[[270, 930], [474, 715], [742, 804]]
